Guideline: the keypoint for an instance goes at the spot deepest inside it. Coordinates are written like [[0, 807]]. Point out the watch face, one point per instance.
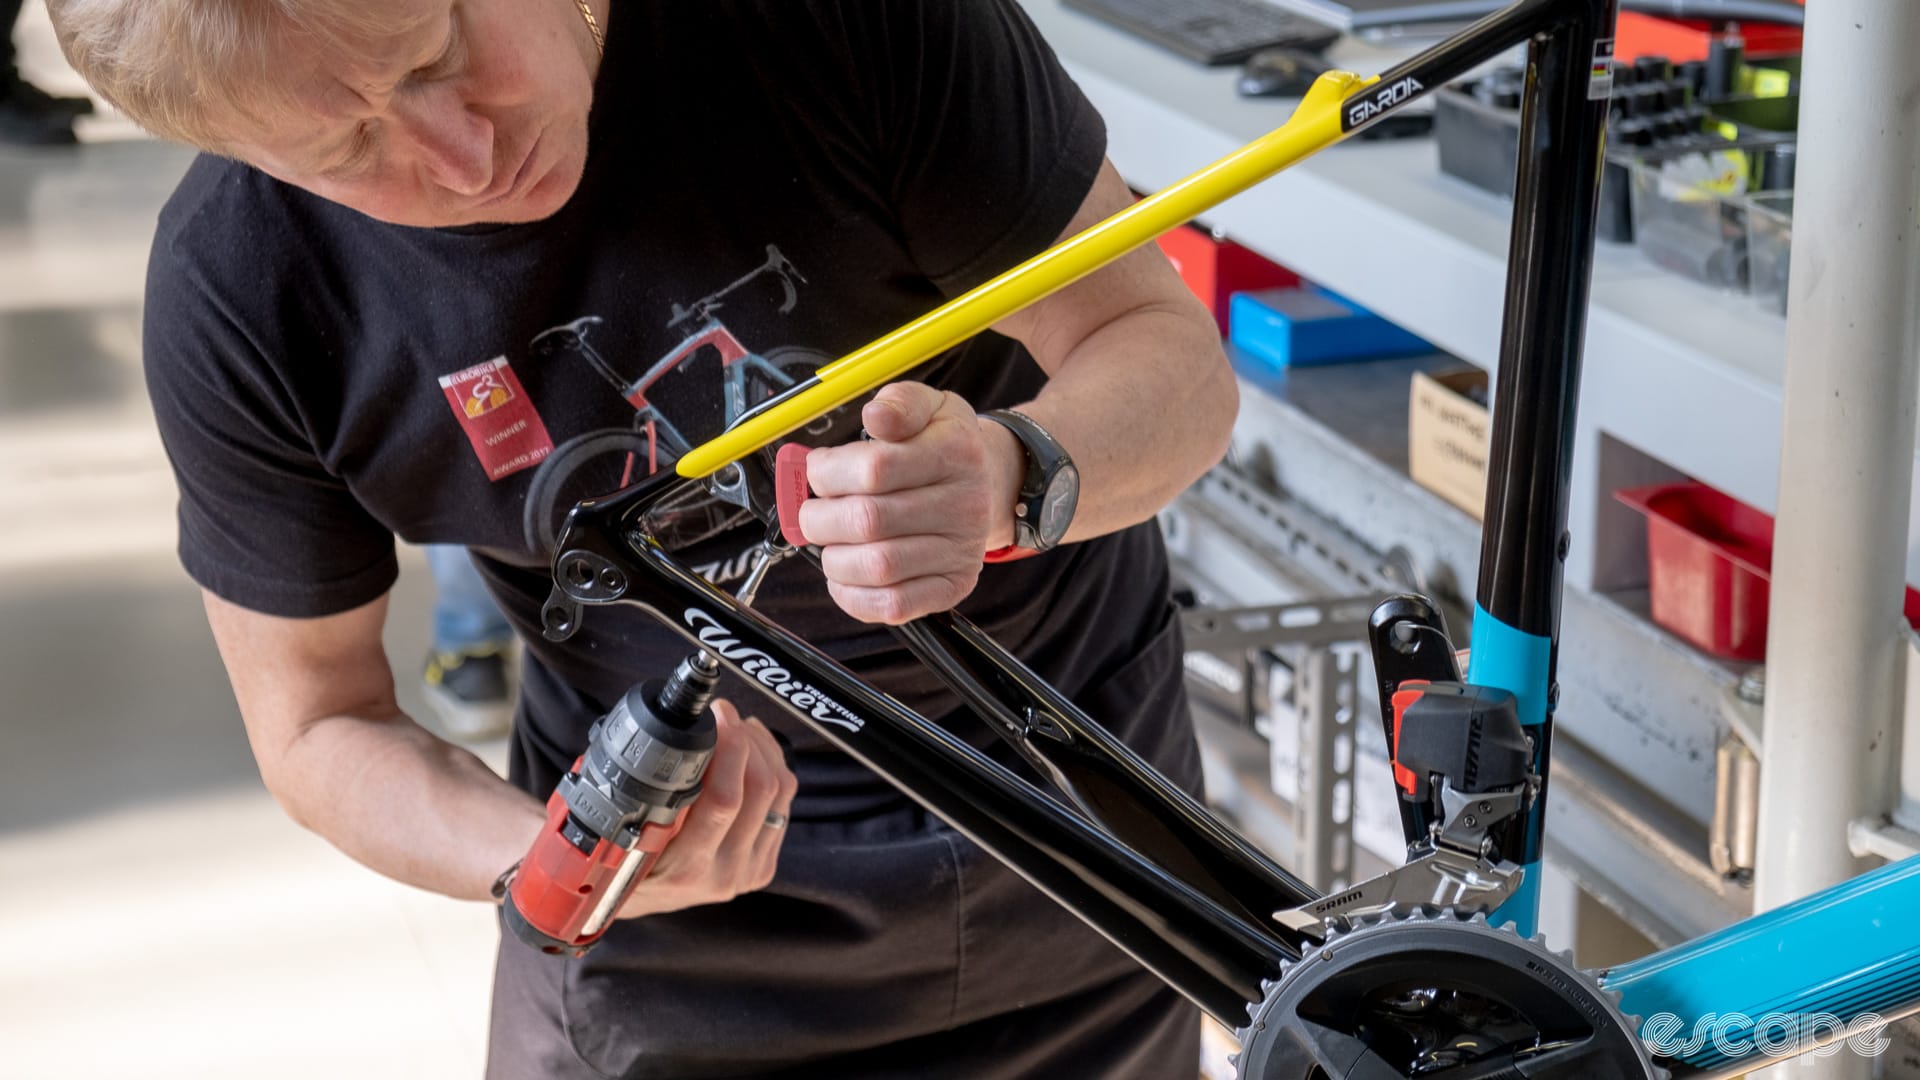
[[1056, 506]]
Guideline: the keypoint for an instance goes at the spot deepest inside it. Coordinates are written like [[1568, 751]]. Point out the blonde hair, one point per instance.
[[190, 70]]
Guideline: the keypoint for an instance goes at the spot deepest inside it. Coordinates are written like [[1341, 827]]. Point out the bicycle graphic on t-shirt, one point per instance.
[[676, 407]]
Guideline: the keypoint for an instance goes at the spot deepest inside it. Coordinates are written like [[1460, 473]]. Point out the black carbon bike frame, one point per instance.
[[1127, 851]]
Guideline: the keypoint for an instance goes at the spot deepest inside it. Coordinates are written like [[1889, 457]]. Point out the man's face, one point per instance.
[[476, 115]]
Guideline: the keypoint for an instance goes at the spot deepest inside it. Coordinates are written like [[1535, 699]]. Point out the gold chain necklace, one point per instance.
[[593, 26]]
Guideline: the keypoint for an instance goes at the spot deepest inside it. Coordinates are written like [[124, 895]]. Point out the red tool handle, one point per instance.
[[790, 490]]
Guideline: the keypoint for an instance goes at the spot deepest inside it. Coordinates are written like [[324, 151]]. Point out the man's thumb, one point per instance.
[[901, 410]]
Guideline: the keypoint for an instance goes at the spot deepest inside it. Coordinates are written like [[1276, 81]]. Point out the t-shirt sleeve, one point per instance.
[[263, 524], [985, 144]]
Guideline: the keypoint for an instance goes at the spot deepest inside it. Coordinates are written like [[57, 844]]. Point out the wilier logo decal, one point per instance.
[[765, 670], [501, 423]]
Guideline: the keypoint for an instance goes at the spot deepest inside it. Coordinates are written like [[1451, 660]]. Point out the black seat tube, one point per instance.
[[1549, 271]]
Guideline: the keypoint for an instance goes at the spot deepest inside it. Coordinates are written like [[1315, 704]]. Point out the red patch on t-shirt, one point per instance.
[[500, 421]]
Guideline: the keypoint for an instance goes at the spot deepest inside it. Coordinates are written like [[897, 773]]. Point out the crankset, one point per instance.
[[1434, 994]]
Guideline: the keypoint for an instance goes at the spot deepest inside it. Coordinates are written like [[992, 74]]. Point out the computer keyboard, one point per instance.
[[1212, 32]]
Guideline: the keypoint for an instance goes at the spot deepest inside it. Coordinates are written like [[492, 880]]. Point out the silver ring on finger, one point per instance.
[[776, 820]]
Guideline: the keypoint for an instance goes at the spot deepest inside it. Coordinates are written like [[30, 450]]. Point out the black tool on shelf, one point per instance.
[[1280, 72]]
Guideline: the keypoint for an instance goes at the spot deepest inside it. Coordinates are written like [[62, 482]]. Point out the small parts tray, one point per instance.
[[1709, 559]]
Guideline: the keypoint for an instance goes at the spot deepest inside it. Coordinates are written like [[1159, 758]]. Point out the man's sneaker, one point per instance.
[[30, 117], [472, 690]]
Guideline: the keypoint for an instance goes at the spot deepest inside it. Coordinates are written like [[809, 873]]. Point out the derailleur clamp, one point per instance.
[[1461, 869]]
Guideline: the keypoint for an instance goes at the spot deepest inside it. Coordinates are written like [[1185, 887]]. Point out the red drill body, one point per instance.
[[615, 811]]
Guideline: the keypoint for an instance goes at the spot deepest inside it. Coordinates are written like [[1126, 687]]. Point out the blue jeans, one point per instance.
[[465, 617]]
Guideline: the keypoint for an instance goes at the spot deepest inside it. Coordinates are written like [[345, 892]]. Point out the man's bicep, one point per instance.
[[1141, 279], [291, 673]]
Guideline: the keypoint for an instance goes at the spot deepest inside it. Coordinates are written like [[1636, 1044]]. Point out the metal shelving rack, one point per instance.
[[1684, 373]]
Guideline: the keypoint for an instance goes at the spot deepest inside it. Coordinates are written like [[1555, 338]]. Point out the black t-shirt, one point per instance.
[[770, 185]]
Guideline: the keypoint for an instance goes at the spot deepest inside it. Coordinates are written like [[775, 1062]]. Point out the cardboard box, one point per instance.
[[1447, 433]]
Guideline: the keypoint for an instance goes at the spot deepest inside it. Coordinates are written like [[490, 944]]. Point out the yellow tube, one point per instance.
[[1315, 125]]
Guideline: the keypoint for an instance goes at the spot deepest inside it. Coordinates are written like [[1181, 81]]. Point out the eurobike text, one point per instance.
[[1775, 1035]]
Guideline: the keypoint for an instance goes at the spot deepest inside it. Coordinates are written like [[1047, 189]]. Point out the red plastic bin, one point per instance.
[[1217, 269], [1709, 560]]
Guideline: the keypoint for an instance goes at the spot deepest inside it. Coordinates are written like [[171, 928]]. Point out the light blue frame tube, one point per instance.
[[1521, 664], [1801, 972], [1841, 953]]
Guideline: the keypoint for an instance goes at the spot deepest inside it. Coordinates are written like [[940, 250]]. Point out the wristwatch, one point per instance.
[[1048, 493]]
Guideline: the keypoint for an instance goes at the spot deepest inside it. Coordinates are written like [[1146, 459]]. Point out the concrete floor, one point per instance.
[[159, 917]]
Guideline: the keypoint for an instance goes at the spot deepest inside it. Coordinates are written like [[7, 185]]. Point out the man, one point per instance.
[[470, 262]]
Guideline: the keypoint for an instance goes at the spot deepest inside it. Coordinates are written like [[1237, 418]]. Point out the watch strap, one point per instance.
[[1010, 553], [504, 882]]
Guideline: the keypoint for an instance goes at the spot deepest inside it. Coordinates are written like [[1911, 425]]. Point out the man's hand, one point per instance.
[[903, 519], [726, 846]]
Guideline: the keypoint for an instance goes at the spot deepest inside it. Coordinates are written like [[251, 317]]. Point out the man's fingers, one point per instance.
[[734, 863], [874, 468], [726, 847], [864, 519], [891, 562], [901, 410], [722, 791], [765, 856], [784, 781], [903, 602]]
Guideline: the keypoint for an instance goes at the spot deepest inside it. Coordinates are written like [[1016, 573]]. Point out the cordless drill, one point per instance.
[[616, 810]]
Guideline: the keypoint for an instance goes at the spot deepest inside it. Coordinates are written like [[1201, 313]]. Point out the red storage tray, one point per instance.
[[1216, 269], [1709, 562]]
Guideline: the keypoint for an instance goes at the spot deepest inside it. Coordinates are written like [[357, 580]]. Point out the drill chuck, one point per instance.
[[616, 810], [690, 688]]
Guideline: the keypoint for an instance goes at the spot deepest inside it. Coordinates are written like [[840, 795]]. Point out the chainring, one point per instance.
[[1432, 994]]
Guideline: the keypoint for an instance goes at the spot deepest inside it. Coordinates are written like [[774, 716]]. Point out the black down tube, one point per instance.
[[1213, 955]]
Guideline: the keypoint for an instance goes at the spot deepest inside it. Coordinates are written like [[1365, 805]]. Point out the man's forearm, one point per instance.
[[405, 803], [1145, 404]]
